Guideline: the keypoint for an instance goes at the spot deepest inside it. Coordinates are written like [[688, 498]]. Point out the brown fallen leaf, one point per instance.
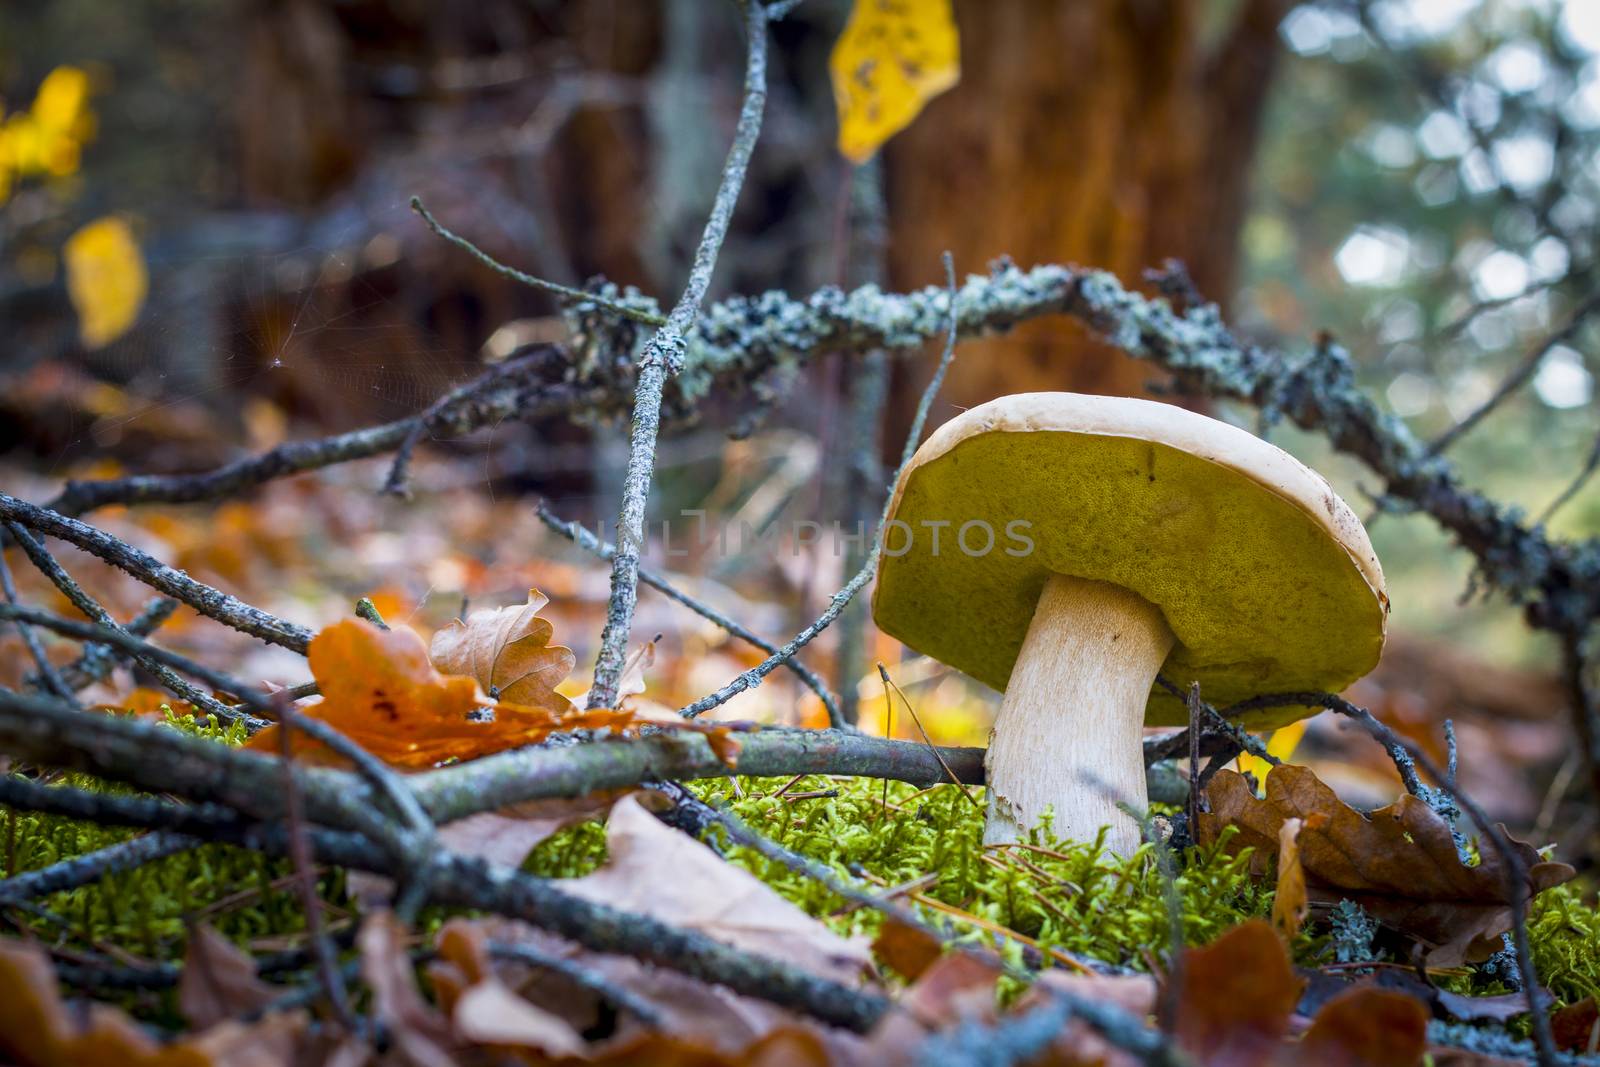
[[955, 988], [147, 703], [37, 1030], [1577, 1026], [1289, 903], [663, 872], [507, 651], [792, 1047], [1234, 997], [1399, 863], [906, 950], [416, 1029], [1364, 1027], [219, 980], [508, 834], [1078, 1042], [694, 1022], [482, 1008]]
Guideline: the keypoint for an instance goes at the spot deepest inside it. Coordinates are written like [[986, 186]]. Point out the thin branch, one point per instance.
[[860, 459], [584, 539], [49, 677], [410, 844], [663, 357], [213, 603], [869, 566], [1591, 463], [82, 870], [743, 339], [587, 978], [142, 812], [566, 292], [1519, 376], [395, 484], [47, 565], [326, 957], [97, 660], [159, 661]]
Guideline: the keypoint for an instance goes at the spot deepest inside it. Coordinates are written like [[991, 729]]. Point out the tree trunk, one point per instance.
[[1108, 133]]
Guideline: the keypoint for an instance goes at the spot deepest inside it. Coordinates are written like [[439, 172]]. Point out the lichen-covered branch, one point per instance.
[[663, 358]]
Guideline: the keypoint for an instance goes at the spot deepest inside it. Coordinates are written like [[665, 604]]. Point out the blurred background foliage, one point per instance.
[[1416, 179]]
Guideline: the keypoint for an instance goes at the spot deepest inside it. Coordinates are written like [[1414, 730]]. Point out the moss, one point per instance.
[[1058, 894], [145, 910], [1564, 928]]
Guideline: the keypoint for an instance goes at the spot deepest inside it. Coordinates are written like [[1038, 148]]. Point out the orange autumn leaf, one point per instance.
[[380, 690]]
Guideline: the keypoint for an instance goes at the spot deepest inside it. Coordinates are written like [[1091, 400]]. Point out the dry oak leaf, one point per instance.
[[484, 1010], [417, 1031], [699, 1015], [1577, 1026], [37, 1029], [507, 651], [658, 871], [892, 58], [1234, 999], [1399, 862], [1289, 901], [1078, 1043], [219, 980], [1365, 1027], [506, 836], [956, 988], [380, 691]]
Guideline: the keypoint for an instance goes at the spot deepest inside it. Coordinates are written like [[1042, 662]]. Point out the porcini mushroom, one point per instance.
[[1067, 548]]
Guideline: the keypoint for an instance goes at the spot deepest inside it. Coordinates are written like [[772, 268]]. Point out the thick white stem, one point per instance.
[[1069, 733]]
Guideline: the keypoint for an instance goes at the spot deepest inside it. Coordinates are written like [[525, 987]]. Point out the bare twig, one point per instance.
[[566, 292], [662, 358], [81, 870], [1519, 376], [1591, 463], [47, 565], [883, 673], [213, 603], [619, 995], [48, 675], [306, 877], [754, 676], [399, 469], [97, 660], [368, 611], [584, 539]]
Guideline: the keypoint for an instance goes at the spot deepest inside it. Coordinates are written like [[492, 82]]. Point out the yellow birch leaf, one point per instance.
[[106, 279], [61, 100], [893, 57]]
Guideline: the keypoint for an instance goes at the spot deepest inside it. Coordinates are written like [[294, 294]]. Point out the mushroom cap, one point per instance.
[[1265, 576]]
